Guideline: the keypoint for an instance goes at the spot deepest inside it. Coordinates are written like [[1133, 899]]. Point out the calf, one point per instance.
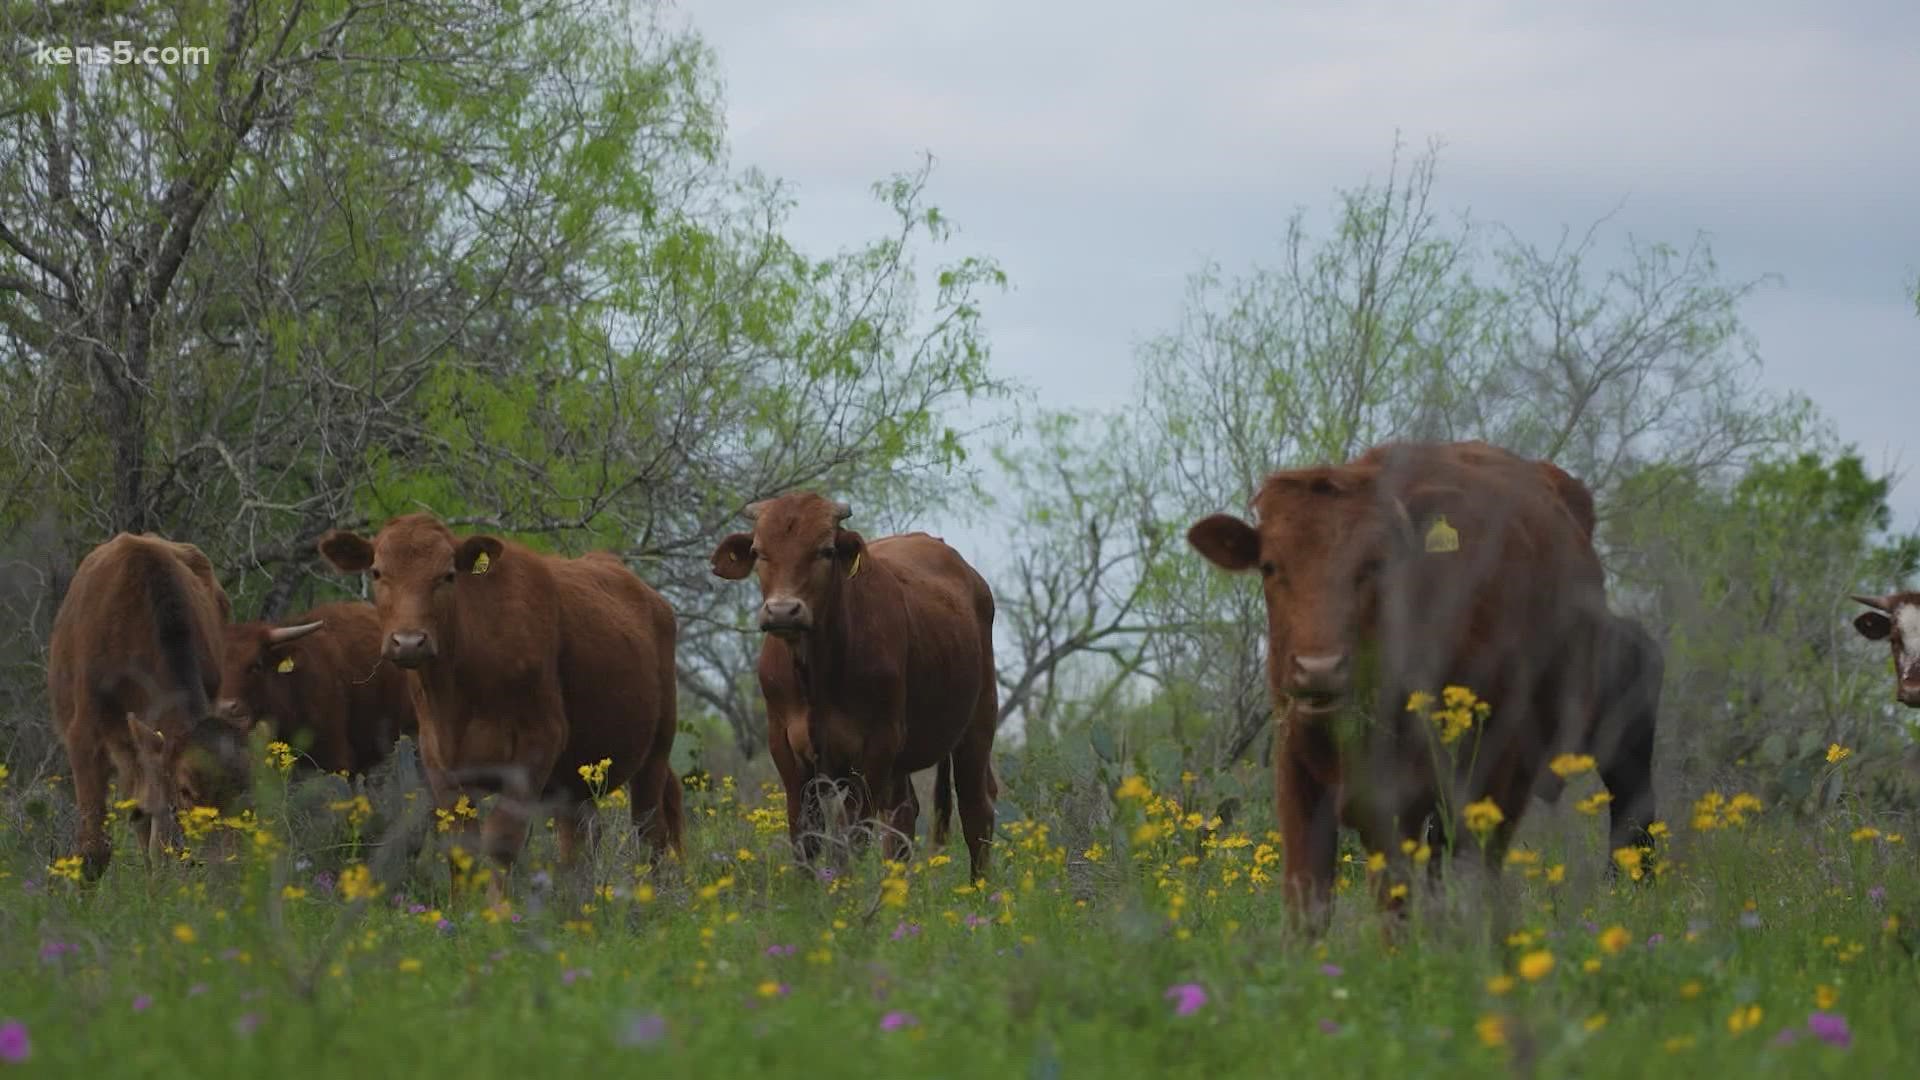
[[1895, 619], [321, 685], [132, 665], [877, 663], [527, 667]]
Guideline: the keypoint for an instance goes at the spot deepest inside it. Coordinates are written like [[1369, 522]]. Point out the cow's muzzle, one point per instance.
[[231, 712], [1318, 682], [785, 617], [408, 648]]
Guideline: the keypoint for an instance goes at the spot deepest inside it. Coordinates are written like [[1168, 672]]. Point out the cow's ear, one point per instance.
[[848, 546], [733, 559], [348, 552], [148, 742], [477, 554], [1226, 542], [1873, 625]]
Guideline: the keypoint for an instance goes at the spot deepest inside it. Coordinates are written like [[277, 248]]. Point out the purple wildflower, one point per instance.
[[573, 975], [1877, 894], [247, 1023], [974, 921], [896, 1020], [1656, 939], [906, 930], [643, 1029], [142, 1002], [1830, 1028], [1787, 1037], [416, 909], [15, 1046], [1188, 998], [323, 883], [1329, 1027], [443, 926], [196, 989], [52, 951], [1590, 926], [825, 873], [782, 950], [1331, 971]]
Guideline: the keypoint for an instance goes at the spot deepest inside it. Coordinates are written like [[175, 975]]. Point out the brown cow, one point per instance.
[[1895, 619], [320, 684], [133, 662], [877, 663], [1411, 568], [529, 666]]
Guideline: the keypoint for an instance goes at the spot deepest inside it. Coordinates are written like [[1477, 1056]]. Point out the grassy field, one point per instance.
[[1144, 945]]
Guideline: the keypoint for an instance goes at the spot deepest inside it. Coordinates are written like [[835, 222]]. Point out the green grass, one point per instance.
[[740, 963]]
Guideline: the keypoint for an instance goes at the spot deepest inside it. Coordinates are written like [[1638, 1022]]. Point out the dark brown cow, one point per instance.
[[320, 684], [131, 668], [1895, 619], [1628, 672], [877, 663], [529, 666], [1411, 568]]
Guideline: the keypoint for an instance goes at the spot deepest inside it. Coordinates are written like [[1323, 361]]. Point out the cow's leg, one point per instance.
[[1628, 774], [573, 823], [654, 799], [89, 764], [1309, 828], [942, 801], [974, 787], [794, 778]]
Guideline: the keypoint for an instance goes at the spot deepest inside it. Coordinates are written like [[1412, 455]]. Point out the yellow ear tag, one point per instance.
[[1442, 536], [855, 568], [286, 665], [481, 562]]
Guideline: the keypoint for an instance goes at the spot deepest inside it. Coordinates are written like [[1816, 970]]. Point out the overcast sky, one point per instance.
[[1104, 151]]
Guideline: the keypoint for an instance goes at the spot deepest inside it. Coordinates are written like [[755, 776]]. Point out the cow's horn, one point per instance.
[[841, 512], [1877, 603], [280, 635], [752, 510]]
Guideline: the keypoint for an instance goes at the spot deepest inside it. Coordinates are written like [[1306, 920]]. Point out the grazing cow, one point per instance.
[[133, 663], [1895, 619], [1411, 568], [877, 663], [1628, 673], [528, 667], [320, 684]]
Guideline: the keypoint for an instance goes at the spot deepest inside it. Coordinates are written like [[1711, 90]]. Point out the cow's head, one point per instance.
[[1325, 541], [1895, 618], [258, 679], [802, 556], [176, 771], [417, 565]]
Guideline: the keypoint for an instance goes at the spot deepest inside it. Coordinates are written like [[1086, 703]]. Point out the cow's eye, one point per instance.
[[448, 576], [1267, 568], [374, 573], [825, 552], [1368, 571]]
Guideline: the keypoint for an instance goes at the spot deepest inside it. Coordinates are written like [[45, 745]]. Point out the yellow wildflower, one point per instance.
[[280, 756], [1133, 788], [184, 934], [1492, 1030], [1593, 803], [1483, 816], [1536, 965], [1499, 984], [1865, 833], [409, 965], [1744, 1019], [1595, 1022], [1837, 753], [1568, 765], [1825, 997]]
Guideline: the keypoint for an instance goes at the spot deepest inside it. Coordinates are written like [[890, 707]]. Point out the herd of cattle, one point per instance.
[[1408, 569]]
